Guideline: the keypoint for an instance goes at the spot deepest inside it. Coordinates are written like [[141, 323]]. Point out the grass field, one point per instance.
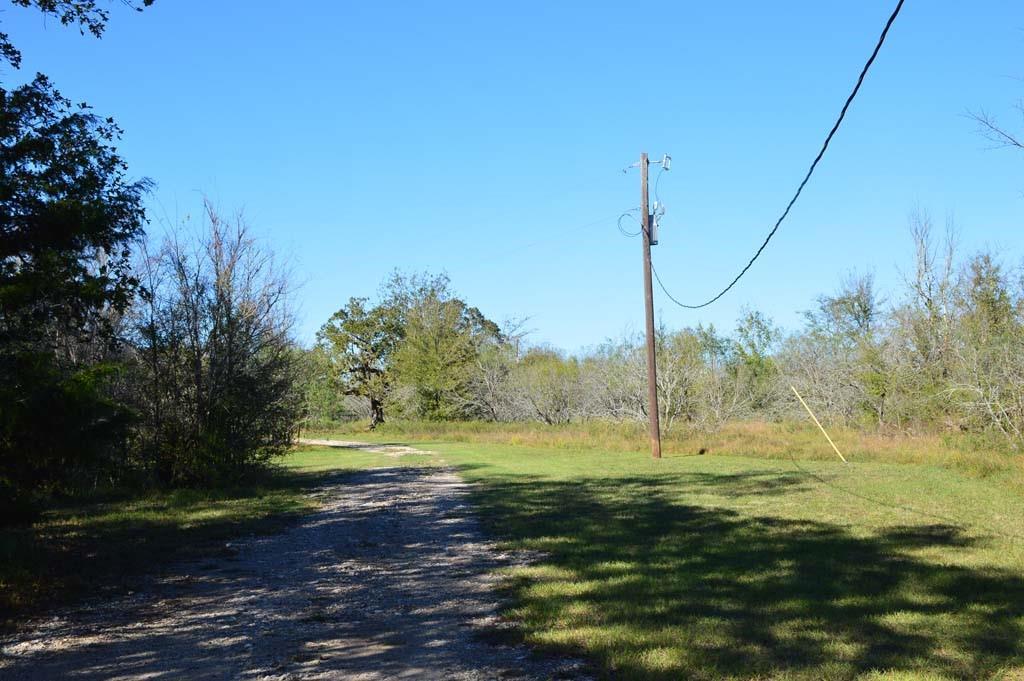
[[79, 546], [727, 567], [978, 457], [692, 567]]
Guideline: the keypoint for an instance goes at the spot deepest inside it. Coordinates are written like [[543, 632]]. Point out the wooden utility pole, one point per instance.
[[652, 368]]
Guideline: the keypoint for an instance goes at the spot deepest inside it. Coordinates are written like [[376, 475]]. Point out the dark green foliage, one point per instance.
[[357, 344], [68, 215]]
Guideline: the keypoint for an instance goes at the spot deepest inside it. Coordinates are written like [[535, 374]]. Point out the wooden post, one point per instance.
[[652, 367]]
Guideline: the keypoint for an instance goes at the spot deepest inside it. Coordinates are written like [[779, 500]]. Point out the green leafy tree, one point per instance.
[[359, 342], [752, 362], [68, 215], [437, 358]]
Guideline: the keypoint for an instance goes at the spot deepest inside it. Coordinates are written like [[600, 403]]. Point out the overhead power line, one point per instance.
[[807, 177]]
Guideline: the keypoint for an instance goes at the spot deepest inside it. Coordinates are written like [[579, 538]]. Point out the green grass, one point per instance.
[[725, 567], [91, 546], [985, 457], [693, 567]]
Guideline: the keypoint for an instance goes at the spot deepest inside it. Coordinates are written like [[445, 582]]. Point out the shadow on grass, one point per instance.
[[96, 545], [654, 588]]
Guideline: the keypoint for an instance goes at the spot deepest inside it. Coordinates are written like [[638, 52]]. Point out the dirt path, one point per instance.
[[390, 580]]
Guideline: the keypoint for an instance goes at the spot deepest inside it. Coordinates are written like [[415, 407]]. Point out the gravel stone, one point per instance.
[[391, 579]]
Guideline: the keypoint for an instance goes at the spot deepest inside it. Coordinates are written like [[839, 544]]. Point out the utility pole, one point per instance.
[[652, 368]]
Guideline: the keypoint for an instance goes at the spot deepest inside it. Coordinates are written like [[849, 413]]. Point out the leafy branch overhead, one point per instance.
[[85, 14]]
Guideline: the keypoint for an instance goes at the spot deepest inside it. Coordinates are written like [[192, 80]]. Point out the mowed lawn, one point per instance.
[[714, 567]]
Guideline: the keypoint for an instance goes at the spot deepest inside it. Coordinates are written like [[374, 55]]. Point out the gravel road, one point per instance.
[[391, 579]]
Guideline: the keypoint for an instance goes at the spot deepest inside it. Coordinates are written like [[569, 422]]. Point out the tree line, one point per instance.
[[943, 353]]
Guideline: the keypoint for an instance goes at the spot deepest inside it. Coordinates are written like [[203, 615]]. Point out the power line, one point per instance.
[[622, 230], [810, 171], [657, 183]]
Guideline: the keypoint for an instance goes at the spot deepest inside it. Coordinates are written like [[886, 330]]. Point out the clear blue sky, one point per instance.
[[360, 137]]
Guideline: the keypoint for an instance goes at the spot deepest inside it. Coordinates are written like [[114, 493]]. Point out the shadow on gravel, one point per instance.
[[81, 547], [386, 583]]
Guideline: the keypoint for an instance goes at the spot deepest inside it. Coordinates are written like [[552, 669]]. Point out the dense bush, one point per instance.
[[215, 370]]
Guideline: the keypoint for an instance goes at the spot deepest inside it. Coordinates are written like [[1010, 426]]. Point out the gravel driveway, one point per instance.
[[390, 580]]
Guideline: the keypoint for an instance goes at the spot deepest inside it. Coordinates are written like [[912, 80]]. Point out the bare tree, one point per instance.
[[990, 129]]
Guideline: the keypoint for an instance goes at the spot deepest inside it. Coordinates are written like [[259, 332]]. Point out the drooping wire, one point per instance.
[[810, 171], [622, 230], [665, 291]]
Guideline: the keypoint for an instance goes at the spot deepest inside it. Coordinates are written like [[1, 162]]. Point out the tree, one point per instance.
[[549, 385], [419, 350], [993, 131], [752, 363], [359, 343], [216, 366], [68, 216], [443, 337], [325, 402]]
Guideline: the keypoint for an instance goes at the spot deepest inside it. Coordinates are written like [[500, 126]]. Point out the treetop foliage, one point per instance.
[[420, 335], [68, 213], [85, 14]]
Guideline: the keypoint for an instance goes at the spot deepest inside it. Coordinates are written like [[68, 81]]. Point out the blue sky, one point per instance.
[[481, 139]]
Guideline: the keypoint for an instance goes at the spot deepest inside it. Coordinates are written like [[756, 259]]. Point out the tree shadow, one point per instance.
[[656, 588], [369, 588], [104, 542], [644, 583]]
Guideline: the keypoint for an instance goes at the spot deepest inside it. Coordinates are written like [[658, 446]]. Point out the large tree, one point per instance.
[[437, 358], [359, 341], [68, 216], [420, 336]]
